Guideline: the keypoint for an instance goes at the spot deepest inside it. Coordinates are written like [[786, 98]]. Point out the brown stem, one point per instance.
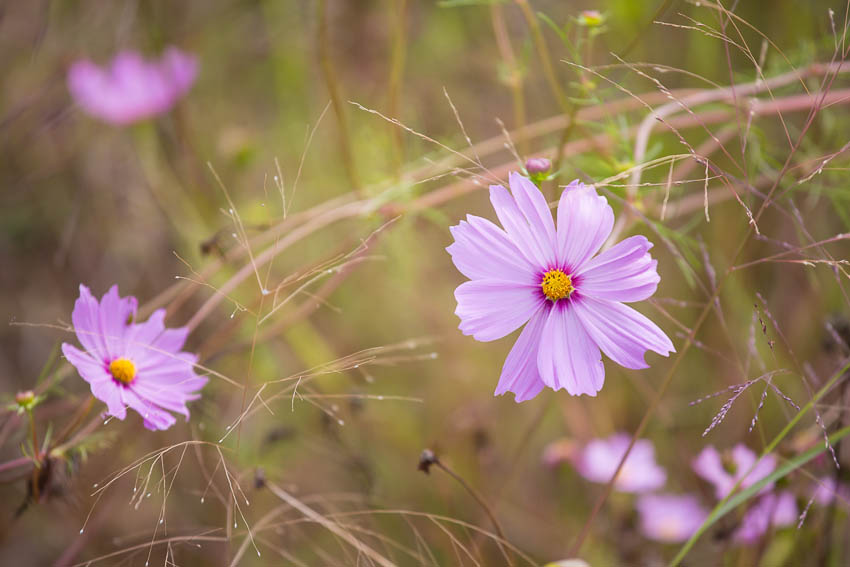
[[478, 498], [15, 463], [81, 414]]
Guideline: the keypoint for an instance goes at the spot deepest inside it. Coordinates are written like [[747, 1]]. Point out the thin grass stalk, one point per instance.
[[397, 64], [515, 76], [332, 83]]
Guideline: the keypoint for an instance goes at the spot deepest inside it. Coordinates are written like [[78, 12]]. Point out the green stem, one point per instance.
[[515, 80], [543, 53], [399, 54], [36, 452], [333, 90]]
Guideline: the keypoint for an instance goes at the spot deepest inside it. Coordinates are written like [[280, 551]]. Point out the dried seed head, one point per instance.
[[426, 459]]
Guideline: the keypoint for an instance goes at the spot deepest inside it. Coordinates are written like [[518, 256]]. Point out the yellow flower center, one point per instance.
[[123, 370], [556, 285]]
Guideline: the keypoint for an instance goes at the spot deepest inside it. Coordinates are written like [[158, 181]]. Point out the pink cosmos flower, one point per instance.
[[640, 473], [710, 465], [531, 272], [136, 365], [132, 88], [670, 518], [774, 509]]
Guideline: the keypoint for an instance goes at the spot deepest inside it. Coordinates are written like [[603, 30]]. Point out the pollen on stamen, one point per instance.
[[556, 285], [123, 370]]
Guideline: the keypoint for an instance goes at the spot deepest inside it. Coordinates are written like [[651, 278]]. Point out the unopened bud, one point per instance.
[[537, 165], [591, 18], [25, 399]]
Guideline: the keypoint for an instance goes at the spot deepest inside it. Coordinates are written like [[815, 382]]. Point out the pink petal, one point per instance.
[[90, 369], [186, 383], [154, 417], [532, 245], [771, 509], [670, 518], [181, 68], [535, 209], [86, 321], [483, 251], [519, 373], [155, 364], [709, 465], [744, 459], [625, 272], [86, 82], [827, 491], [142, 335], [109, 392], [131, 88], [115, 312], [622, 333], [162, 396], [151, 343], [584, 222], [568, 358], [103, 387], [640, 473], [785, 511], [491, 309]]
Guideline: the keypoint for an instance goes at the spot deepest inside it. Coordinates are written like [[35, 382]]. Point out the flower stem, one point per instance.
[[36, 452], [333, 90], [15, 463], [514, 79], [82, 412], [397, 60], [478, 498]]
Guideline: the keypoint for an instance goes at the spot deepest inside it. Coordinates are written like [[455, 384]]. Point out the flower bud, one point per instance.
[[538, 165], [591, 18], [25, 399]]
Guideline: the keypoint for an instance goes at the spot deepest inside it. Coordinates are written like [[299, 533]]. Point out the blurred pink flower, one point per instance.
[[829, 490], [136, 365], [774, 509], [670, 518], [640, 473], [132, 88], [573, 302], [559, 451], [709, 464]]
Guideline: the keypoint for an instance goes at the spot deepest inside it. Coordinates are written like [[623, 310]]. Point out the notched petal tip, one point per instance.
[[522, 392]]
